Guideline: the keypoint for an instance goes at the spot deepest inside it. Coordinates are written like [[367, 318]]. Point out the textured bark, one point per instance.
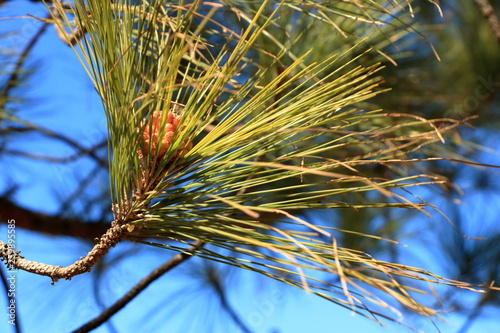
[[14, 260]]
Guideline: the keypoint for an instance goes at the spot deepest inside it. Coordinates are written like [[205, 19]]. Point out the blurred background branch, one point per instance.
[[489, 14]]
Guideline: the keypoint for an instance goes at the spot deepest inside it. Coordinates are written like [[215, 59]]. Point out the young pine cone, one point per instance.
[[151, 136]]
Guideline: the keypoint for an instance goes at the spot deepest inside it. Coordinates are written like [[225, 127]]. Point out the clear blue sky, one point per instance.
[[60, 90]]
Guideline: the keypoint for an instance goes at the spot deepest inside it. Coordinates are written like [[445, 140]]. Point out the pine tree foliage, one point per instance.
[[261, 111]]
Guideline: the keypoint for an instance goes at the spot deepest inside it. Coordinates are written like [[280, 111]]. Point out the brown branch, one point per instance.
[[15, 261], [139, 287], [56, 225], [51, 224], [488, 12], [81, 150], [74, 36], [12, 81], [63, 160], [11, 299]]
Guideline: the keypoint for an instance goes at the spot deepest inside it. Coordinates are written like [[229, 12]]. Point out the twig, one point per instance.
[[63, 160], [227, 306], [107, 241], [78, 192], [10, 299], [139, 287], [488, 12], [96, 284], [91, 152], [69, 39], [12, 80]]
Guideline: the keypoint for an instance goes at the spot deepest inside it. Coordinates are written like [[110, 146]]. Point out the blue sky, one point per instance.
[[61, 91]]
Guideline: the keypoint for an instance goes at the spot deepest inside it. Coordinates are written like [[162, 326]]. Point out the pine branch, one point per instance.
[[139, 287], [14, 260], [300, 140]]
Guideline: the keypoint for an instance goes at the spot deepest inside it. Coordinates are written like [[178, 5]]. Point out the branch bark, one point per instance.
[[15, 261]]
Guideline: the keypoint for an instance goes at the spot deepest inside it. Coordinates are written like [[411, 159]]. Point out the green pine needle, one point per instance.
[[279, 123]]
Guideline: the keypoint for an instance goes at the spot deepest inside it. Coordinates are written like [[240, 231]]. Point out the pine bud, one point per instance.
[[152, 131]]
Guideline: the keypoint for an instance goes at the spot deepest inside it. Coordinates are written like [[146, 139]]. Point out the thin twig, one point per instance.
[[74, 36], [91, 152], [78, 192], [96, 286], [139, 287], [12, 80], [227, 306], [488, 12], [11, 299], [63, 160]]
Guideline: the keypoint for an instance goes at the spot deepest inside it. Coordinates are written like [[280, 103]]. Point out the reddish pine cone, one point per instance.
[[153, 139]]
